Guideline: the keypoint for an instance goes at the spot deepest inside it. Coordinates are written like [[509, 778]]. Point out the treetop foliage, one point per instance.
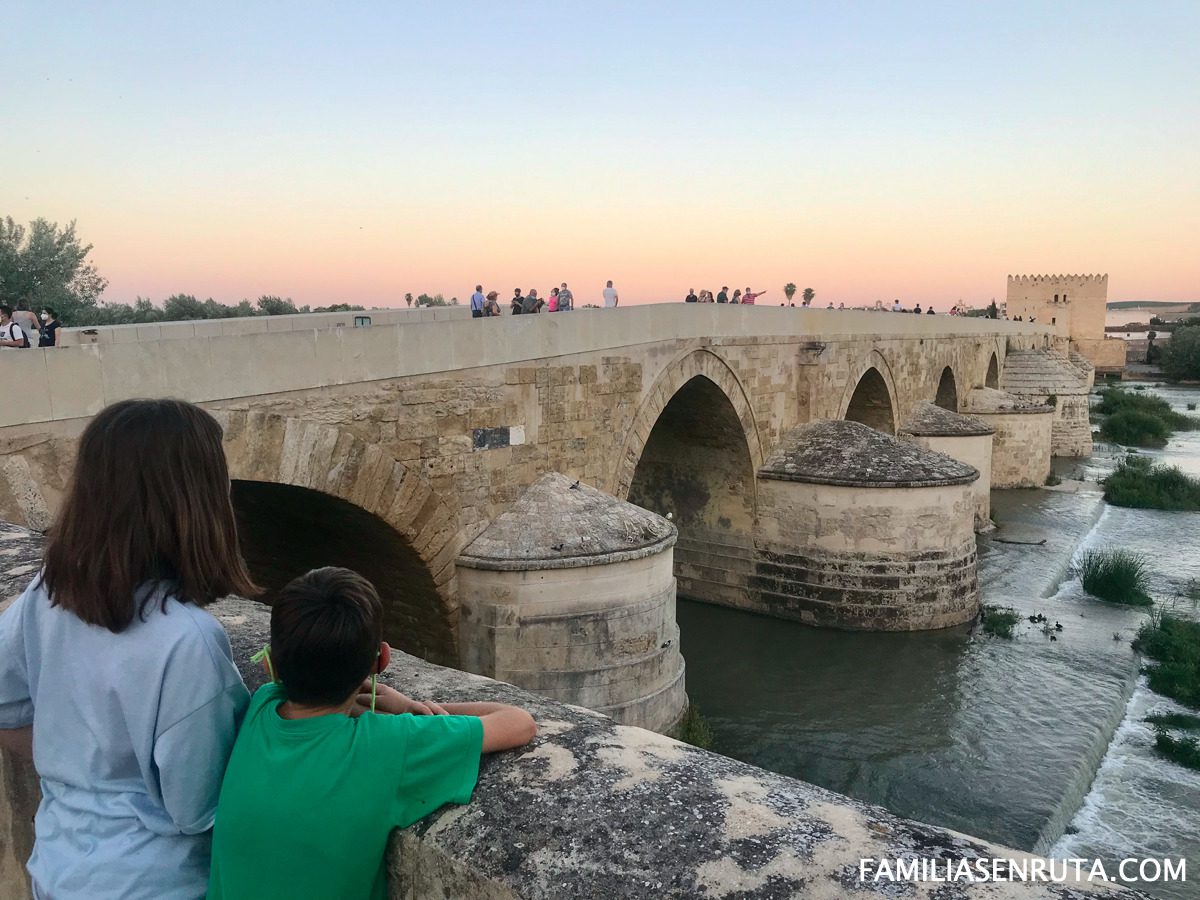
[[45, 265]]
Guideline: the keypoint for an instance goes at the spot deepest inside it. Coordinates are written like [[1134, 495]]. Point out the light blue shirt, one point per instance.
[[131, 734], [477, 301]]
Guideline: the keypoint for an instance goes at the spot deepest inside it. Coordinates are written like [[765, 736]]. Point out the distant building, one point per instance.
[[1074, 306]]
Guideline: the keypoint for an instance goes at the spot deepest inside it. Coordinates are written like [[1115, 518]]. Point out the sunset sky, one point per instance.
[[352, 152]]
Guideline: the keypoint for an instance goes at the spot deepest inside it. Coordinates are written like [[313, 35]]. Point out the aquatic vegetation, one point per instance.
[[1181, 721], [1134, 427], [693, 729], [1116, 399], [1116, 575], [1053, 480], [1140, 484], [999, 621], [1183, 750], [1173, 643]]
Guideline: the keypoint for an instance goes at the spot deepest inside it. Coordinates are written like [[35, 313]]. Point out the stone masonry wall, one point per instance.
[[872, 558]]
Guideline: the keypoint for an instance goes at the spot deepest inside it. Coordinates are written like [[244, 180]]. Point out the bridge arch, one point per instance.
[[692, 364], [693, 453], [947, 391], [294, 479], [992, 378], [870, 398]]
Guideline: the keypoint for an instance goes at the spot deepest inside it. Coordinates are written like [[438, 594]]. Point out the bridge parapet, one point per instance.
[[76, 382]]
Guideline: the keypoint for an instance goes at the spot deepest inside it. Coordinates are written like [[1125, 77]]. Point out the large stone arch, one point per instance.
[[275, 450], [870, 397], [678, 373], [693, 454]]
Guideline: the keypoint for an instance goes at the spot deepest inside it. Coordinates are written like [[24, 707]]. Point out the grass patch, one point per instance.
[[1173, 643], [1118, 576], [1133, 427], [1140, 484], [999, 621], [1114, 400], [1191, 406], [1183, 750], [1180, 721], [693, 729], [1053, 480]]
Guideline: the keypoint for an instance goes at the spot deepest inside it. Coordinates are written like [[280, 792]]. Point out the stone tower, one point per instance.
[[1075, 307]]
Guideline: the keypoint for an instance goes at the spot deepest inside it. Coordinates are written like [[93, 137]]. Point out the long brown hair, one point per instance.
[[148, 502]]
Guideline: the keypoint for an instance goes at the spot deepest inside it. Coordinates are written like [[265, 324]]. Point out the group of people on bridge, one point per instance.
[[21, 329], [561, 299]]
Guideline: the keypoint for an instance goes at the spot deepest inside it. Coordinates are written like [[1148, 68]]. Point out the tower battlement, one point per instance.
[[1080, 280]]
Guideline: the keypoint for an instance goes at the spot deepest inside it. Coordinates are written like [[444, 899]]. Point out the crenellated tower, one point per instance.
[[1075, 307]]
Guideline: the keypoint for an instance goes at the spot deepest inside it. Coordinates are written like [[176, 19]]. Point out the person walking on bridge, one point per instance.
[[477, 302], [610, 296]]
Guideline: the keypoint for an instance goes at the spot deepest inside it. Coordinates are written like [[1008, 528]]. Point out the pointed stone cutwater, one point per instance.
[[1060, 380], [965, 438], [1021, 446], [863, 531], [570, 593]]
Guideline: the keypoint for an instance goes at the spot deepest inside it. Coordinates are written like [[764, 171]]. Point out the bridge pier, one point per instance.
[[570, 593], [965, 438], [862, 531], [1021, 446]]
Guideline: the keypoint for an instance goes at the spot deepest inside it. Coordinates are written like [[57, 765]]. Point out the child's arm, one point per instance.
[[504, 727]]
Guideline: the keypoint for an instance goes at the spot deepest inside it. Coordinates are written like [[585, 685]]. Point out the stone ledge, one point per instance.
[[594, 809]]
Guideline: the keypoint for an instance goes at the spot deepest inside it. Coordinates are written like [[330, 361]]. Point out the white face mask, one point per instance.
[[44, 317]]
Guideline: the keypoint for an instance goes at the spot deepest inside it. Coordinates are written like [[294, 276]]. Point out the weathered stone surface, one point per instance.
[[930, 420], [1022, 442], [1060, 380], [848, 453], [560, 522], [993, 400], [592, 809]]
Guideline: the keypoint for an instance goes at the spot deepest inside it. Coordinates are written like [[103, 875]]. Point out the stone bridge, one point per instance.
[[391, 449]]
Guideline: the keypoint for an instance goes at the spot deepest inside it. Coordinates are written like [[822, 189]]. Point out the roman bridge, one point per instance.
[[408, 451]]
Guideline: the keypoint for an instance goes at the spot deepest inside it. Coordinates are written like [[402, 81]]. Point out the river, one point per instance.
[[1035, 743]]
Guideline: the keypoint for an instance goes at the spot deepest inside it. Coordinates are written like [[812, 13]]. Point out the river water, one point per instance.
[[1035, 743]]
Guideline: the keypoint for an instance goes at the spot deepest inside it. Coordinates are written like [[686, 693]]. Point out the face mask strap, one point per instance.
[[264, 655]]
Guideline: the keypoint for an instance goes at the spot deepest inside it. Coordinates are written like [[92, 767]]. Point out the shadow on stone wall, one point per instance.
[[287, 530]]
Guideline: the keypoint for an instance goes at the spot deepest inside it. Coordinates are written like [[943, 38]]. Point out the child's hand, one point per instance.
[[391, 701]]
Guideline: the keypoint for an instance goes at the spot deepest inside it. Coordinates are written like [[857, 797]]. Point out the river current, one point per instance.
[[1034, 743]]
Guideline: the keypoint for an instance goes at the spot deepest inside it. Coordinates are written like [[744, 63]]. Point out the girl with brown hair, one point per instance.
[[112, 675]]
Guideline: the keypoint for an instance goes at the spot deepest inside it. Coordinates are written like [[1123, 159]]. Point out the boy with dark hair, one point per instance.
[[318, 778]]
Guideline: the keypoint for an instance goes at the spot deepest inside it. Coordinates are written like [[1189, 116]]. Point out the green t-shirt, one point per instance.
[[307, 804]]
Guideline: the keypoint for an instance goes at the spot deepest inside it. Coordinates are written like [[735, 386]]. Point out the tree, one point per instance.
[[808, 295], [993, 311], [435, 300], [789, 291], [47, 266], [408, 299], [1181, 355], [277, 306], [179, 307]]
